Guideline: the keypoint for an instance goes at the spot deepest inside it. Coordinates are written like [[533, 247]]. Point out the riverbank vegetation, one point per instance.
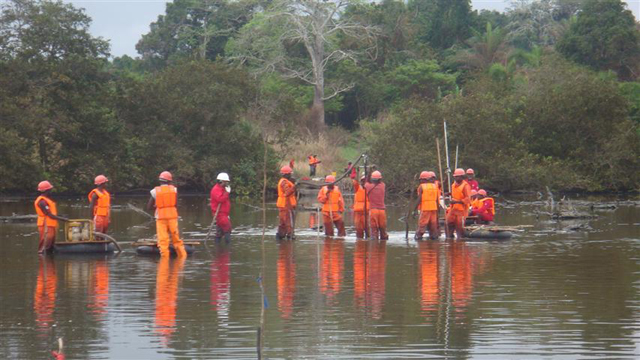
[[545, 94]]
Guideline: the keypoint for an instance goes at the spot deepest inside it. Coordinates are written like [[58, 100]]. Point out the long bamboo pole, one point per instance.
[[446, 226]]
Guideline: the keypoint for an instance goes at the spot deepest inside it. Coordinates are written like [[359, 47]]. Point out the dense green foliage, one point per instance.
[[545, 94]]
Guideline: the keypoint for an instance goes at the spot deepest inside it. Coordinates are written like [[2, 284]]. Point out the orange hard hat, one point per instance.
[[100, 179], [165, 175], [285, 170], [44, 186], [482, 192], [470, 171], [473, 192], [425, 175], [376, 175], [458, 172], [330, 179]]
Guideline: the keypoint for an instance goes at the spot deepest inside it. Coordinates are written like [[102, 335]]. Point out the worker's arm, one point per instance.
[[356, 185], [93, 203], [151, 204], [323, 195], [45, 209], [419, 198]]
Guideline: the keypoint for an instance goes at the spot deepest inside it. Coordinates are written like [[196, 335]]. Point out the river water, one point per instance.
[[559, 290]]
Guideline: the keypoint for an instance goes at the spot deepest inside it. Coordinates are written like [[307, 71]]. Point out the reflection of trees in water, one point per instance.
[[286, 269], [167, 282], [369, 262], [332, 268]]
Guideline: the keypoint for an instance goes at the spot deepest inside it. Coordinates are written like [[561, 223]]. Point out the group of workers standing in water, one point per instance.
[[163, 199], [369, 210]]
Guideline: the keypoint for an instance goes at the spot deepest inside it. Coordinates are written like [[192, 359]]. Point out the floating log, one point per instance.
[[151, 247], [18, 218]]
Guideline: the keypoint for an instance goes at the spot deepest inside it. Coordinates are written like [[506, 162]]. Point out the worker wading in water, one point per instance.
[[460, 202], [375, 191], [359, 211], [47, 217], [221, 206], [100, 204], [332, 207], [484, 208], [286, 204], [164, 199], [428, 198]]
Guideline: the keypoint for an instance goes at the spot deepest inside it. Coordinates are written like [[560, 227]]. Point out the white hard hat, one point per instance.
[[223, 177]]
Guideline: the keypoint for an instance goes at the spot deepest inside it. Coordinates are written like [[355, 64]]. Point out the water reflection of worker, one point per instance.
[[286, 271], [369, 263], [99, 289], [332, 269], [47, 217], [100, 204], [462, 263], [221, 283], [167, 284], [44, 298], [428, 257]]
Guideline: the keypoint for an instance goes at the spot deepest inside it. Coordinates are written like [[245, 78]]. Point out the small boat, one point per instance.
[[81, 238], [151, 247], [84, 247]]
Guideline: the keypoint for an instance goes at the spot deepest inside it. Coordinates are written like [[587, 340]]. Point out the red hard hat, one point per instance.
[[458, 172], [100, 179], [44, 186], [165, 175], [424, 175], [482, 192], [285, 170], [330, 179], [376, 175], [470, 171]]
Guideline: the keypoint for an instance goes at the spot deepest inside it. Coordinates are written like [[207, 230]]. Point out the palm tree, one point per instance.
[[485, 49]]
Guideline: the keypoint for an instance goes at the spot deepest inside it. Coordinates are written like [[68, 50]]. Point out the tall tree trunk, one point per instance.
[[317, 109]]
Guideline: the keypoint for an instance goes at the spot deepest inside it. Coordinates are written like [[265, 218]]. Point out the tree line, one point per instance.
[[544, 94]]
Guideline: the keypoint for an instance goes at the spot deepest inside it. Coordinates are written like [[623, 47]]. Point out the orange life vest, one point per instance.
[[430, 195], [52, 209], [358, 198], [492, 207], [103, 204], [166, 201], [285, 201], [461, 193], [332, 201], [476, 204]]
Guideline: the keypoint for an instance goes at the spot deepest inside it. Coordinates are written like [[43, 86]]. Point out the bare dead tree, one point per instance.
[[317, 26]]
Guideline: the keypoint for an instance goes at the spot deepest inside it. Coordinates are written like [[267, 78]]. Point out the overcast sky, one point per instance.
[[124, 21]]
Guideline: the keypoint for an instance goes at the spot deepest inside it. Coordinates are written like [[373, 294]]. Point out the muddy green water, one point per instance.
[[550, 292]]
